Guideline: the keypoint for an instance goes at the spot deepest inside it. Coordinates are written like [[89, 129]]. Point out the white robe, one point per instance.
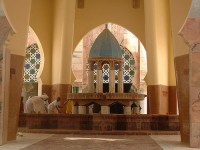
[[52, 107], [36, 105]]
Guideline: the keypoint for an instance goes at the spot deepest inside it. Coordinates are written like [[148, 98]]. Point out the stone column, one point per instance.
[[99, 85], [191, 34], [91, 78], [120, 79], [158, 73], [63, 31], [127, 110], [7, 122], [81, 109], [75, 110], [112, 78], [105, 110], [136, 110]]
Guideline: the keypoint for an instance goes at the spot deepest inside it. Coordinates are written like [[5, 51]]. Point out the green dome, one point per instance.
[[106, 45]]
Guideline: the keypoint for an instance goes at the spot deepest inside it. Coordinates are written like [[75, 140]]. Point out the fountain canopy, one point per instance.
[[105, 50], [106, 45]]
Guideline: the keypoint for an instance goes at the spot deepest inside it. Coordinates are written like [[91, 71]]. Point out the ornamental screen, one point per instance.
[[128, 68], [32, 63]]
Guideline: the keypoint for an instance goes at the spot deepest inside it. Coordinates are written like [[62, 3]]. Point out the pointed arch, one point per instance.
[[127, 39], [33, 40]]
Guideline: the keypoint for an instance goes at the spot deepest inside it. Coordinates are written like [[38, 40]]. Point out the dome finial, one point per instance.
[[106, 26]]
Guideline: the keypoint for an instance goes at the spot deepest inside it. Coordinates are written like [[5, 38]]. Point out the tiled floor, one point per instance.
[[30, 141]]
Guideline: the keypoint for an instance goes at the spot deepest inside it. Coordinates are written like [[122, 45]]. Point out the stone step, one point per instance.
[[113, 132]]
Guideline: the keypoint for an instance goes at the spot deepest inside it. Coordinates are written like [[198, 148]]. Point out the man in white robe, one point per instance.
[[54, 107], [36, 104]]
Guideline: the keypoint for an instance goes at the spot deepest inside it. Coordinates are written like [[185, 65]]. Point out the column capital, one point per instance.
[[112, 65], [91, 65], [99, 65]]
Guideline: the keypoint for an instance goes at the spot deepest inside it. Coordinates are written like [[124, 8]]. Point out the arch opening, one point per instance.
[[134, 54], [34, 63]]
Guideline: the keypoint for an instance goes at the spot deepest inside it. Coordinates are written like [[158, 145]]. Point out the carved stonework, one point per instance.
[[5, 30], [112, 61], [191, 33]]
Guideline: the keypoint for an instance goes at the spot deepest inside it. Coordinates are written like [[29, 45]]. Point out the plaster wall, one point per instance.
[[97, 12]]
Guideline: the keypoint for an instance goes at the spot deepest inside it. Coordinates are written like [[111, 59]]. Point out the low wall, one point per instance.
[[100, 122]]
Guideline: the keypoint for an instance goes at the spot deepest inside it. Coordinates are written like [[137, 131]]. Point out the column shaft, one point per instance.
[[99, 85], [112, 81], [81, 109], [127, 110], [91, 81], [120, 82], [75, 110], [105, 110]]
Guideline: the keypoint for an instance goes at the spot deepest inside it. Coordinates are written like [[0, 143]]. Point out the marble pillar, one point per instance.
[[81, 109], [90, 81], [105, 110], [191, 33], [112, 80], [120, 80], [127, 110], [99, 85], [91, 78], [182, 78], [5, 30], [16, 81], [135, 110], [75, 110]]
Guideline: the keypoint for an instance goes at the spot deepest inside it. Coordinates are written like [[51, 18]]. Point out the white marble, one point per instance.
[[112, 81], [105, 110], [75, 110], [127, 110], [81, 109], [91, 81]]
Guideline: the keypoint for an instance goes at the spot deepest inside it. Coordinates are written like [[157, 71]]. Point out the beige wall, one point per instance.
[[179, 10], [97, 12], [18, 13], [41, 21]]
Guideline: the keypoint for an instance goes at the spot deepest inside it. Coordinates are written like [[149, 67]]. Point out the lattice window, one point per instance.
[[129, 65], [116, 72], [106, 70], [95, 72], [32, 63]]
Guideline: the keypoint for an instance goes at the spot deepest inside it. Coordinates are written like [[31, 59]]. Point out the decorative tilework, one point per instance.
[[129, 65], [32, 63], [106, 70]]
